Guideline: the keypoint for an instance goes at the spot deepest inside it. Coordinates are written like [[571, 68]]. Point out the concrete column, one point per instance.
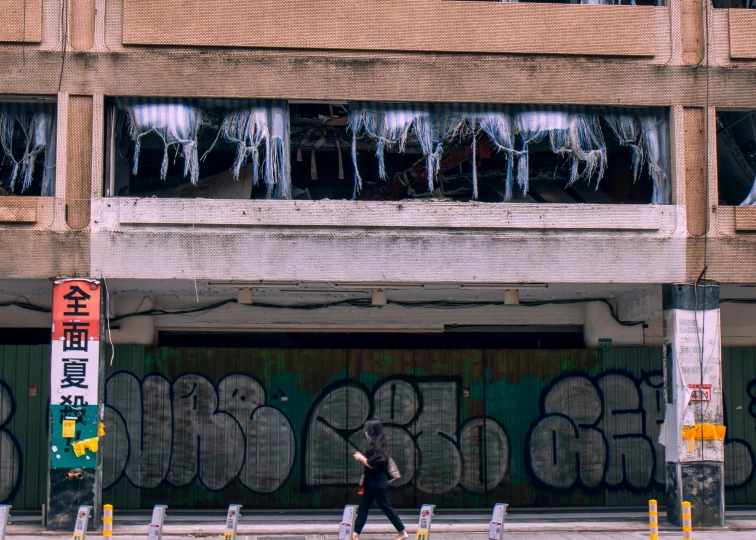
[[76, 402], [693, 431]]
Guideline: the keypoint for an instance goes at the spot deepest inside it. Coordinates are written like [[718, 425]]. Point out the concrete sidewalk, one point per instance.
[[508, 535], [448, 524]]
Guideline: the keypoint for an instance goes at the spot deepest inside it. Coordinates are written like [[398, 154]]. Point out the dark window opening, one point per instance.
[[184, 150], [27, 148], [736, 157], [734, 4]]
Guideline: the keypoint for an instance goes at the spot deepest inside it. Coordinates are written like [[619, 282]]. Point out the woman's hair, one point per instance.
[[378, 446]]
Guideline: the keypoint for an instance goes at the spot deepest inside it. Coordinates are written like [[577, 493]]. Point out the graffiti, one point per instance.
[[422, 421], [602, 431], [186, 431], [739, 460], [10, 451]]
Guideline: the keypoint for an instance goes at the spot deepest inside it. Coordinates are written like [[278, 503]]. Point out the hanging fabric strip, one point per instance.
[[261, 123], [35, 123], [176, 121], [750, 200], [626, 128], [655, 126], [389, 124], [497, 122], [572, 132], [250, 125]]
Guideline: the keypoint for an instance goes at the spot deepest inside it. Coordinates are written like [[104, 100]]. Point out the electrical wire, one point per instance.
[[354, 302]]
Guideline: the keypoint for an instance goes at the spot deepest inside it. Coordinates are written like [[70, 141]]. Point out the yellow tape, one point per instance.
[[92, 444], [79, 448], [705, 432], [101, 430]]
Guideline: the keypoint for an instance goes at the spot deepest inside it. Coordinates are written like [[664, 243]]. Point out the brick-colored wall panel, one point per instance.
[[742, 34], [18, 209], [21, 21], [79, 161], [695, 167], [399, 25], [745, 219], [82, 28], [692, 31]]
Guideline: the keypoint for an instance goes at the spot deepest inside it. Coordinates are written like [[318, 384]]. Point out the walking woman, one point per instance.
[[376, 462]]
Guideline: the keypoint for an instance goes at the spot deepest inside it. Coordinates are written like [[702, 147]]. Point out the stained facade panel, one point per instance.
[[396, 25]]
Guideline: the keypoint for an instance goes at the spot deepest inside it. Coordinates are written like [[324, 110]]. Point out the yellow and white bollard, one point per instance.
[[687, 522], [653, 519], [107, 520]]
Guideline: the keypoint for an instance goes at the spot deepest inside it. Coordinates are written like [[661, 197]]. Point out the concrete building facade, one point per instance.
[[202, 279]]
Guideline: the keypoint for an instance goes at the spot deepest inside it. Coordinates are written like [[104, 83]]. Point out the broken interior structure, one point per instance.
[[736, 157], [27, 148], [242, 149]]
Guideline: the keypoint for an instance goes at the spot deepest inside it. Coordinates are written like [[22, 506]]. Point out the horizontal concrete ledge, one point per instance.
[[404, 214], [398, 25]]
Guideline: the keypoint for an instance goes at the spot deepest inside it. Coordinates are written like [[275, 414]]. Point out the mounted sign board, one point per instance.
[[74, 372], [82, 520], [424, 525], [497, 521], [346, 529], [156, 525], [700, 392], [232, 518]]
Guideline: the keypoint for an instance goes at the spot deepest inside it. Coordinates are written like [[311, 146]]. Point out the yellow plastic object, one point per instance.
[[705, 432], [79, 448], [101, 430], [69, 428], [92, 444]]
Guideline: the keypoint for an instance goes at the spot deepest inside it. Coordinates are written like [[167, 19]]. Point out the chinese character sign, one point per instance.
[[74, 371]]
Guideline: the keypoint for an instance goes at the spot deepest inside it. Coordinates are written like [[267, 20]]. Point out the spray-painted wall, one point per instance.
[[276, 428]]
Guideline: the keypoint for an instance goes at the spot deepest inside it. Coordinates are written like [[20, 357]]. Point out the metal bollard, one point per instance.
[[232, 518], [653, 519], [156, 525], [4, 515], [346, 528], [687, 522], [497, 521], [107, 520], [82, 522], [424, 525]]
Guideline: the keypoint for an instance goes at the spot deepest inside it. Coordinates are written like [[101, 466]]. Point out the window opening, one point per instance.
[[736, 157], [735, 4], [27, 148], [390, 151]]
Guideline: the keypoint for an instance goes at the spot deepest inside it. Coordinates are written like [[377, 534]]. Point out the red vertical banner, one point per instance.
[[74, 373]]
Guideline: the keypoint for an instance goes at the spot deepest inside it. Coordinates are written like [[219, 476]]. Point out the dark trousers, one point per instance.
[[380, 495]]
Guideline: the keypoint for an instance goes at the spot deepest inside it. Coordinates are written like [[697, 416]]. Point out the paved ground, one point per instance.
[[521, 524], [709, 535]]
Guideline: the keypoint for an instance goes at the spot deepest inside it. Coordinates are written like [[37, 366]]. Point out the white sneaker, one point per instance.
[[401, 536]]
